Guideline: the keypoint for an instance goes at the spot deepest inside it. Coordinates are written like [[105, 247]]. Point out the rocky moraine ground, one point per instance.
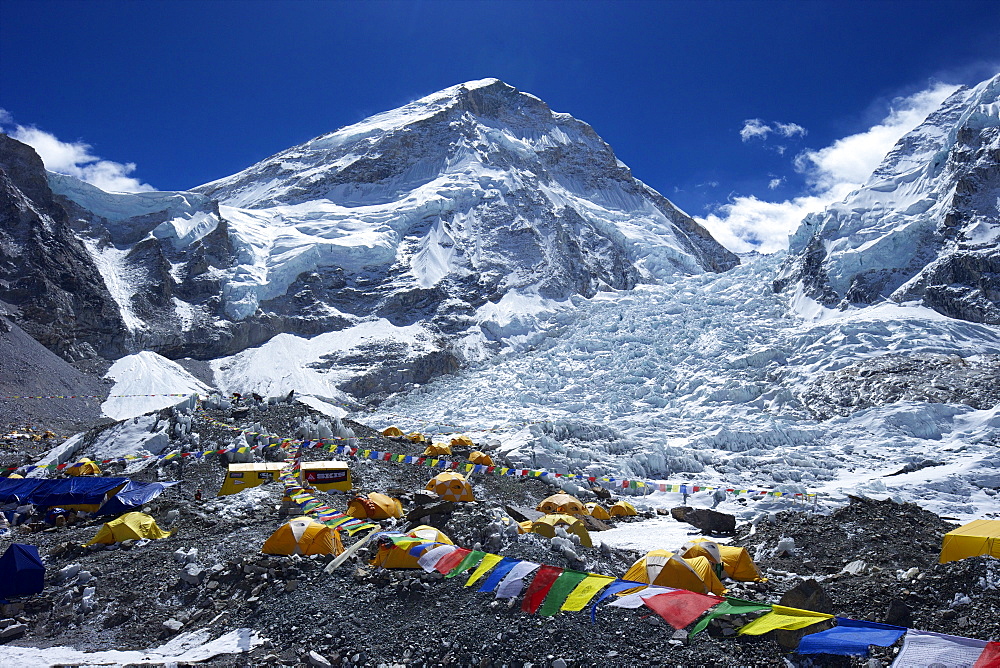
[[873, 560]]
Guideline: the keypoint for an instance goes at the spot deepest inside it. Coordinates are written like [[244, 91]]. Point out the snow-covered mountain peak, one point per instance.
[[925, 226], [450, 214]]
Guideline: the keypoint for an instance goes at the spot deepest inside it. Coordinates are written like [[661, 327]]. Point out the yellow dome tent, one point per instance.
[[12, 476], [463, 440], [662, 567], [84, 467], [597, 511], [546, 526], [303, 535], [130, 526], [622, 509], [391, 556], [375, 507], [735, 561], [392, 432], [415, 437], [562, 503], [477, 457], [451, 486], [436, 449]]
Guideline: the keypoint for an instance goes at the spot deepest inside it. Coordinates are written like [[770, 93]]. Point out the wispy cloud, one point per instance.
[[774, 183], [755, 128], [74, 158], [790, 129], [747, 223]]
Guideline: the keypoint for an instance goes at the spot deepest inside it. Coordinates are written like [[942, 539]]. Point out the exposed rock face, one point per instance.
[[945, 379], [45, 271], [926, 225]]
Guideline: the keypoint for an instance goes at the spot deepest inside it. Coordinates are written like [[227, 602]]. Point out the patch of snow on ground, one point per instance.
[[659, 533], [287, 362], [324, 407], [147, 373], [186, 648]]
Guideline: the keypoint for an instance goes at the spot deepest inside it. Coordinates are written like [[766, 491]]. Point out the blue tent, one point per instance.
[[132, 496], [21, 571]]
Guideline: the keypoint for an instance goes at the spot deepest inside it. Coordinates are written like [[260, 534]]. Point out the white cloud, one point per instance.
[[774, 183], [754, 127], [75, 159], [848, 162], [747, 223], [790, 129]]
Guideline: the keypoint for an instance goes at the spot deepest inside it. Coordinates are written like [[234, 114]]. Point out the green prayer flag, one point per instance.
[[560, 589], [731, 606], [471, 559]]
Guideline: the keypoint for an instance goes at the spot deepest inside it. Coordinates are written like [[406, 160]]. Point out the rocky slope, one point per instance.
[[144, 594], [925, 226], [46, 273]]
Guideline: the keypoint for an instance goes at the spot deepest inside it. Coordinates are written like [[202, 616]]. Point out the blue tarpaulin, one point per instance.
[[21, 571], [132, 496], [62, 492], [19, 489], [72, 491], [850, 637]]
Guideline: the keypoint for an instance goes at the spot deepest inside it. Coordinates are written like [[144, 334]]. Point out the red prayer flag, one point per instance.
[[539, 589], [990, 658], [679, 608], [450, 560]]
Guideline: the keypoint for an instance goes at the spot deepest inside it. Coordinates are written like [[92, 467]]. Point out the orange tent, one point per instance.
[[736, 563], [392, 432], [462, 440], [622, 509], [436, 449], [451, 486], [662, 567], [375, 507], [562, 503], [597, 511], [303, 535], [477, 457]]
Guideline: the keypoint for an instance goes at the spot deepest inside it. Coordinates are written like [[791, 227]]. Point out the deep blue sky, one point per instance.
[[193, 91]]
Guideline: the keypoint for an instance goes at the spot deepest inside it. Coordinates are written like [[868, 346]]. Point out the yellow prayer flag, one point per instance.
[[781, 617], [488, 562], [581, 595]]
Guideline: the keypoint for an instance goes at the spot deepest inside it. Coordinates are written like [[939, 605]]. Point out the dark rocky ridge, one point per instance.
[[919, 377], [46, 273]]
